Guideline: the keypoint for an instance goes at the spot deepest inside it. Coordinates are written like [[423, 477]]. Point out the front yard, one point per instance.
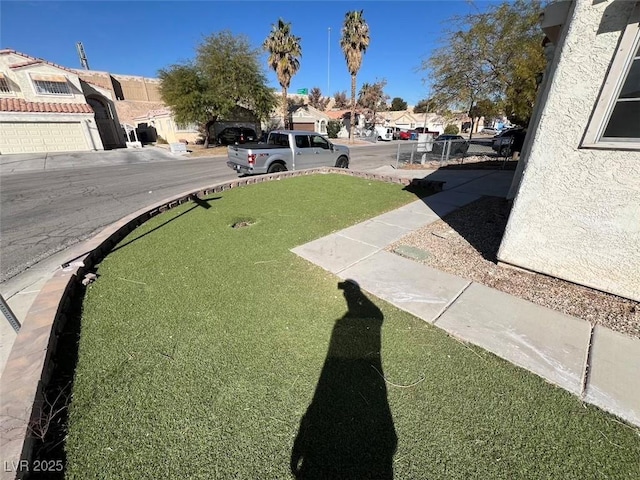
[[208, 351]]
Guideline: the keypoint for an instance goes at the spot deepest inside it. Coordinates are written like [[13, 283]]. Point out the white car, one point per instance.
[[490, 131]]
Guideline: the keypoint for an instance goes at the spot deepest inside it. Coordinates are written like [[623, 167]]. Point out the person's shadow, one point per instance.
[[347, 431]]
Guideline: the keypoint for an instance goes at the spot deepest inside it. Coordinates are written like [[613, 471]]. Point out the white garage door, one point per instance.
[[31, 137]]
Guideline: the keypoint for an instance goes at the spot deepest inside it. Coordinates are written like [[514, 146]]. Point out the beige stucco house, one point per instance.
[[576, 213], [161, 123], [309, 118], [47, 108]]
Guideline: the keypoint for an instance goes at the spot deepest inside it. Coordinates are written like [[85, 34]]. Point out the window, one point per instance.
[[302, 141], [624, 123], [614, 123], [51, 85], [319, 142], [4, 84], [280, 139]]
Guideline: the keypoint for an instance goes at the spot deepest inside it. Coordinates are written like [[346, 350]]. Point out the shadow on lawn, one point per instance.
[[347, 431], [199, 202]]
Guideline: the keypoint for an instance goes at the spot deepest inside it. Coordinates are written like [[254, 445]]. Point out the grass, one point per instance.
[[214, 352]]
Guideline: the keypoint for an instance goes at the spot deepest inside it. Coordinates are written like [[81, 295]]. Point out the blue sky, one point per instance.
[[140, 37]]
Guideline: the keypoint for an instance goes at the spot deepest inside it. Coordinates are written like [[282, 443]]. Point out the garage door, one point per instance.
[[41, 137]]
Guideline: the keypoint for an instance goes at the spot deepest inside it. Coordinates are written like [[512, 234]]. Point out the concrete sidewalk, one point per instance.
[[26, 162], [597, 364]]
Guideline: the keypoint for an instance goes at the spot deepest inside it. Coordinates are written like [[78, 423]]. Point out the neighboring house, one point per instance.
[[576, 213], [402, 119], [160, 123], [344, 117], [47, 108], [134, 96], [310, 119]]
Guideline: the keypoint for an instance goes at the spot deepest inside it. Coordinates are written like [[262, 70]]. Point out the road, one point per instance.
[[45, 211]]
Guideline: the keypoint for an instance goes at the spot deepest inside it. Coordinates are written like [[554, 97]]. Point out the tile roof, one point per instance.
[[21, 105]]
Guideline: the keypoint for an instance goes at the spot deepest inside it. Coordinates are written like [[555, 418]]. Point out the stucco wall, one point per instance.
[[577, 212], [22, 86]]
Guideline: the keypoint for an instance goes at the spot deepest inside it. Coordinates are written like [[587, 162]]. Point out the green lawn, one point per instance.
[[203, 347]]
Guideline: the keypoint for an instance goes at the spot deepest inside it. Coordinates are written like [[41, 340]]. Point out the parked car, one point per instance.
[[384, 133], [232, 135], [287, 150], [404, 135], [458, 144], [509, 141], [425, 130], [490, 131]]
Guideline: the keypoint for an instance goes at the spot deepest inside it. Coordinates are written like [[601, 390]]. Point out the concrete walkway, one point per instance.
[[597, 364]]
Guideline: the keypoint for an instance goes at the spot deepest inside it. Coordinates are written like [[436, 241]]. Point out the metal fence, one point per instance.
[[367, 135], [443, 152]]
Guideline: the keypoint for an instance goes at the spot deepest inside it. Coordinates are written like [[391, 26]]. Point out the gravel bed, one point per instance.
[[466, 242]]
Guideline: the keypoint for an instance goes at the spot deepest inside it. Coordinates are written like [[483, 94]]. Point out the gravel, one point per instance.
[[466, 242]]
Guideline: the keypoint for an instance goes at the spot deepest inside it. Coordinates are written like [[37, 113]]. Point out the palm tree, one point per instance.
[[284, 58], [354, 42]]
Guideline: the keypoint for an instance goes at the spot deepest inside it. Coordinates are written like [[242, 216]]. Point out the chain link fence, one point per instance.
[[445, 152]]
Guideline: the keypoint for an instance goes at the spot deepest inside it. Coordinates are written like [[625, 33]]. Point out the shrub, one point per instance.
[[451, 130], [333, 127], [161, 140]]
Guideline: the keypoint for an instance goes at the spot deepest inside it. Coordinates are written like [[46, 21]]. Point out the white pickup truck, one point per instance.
[[287, 150]]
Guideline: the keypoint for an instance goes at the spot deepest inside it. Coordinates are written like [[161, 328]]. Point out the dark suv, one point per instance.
[[509, 141], [233, 135]]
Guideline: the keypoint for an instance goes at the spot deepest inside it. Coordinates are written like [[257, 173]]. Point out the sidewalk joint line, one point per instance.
[[587, 363], [357, 261], [450, 303], [356, 240]]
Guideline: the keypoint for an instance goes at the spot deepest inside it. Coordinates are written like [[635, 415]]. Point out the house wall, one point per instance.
[[167, 129], [22, 86], [576, 214], [125, 87]]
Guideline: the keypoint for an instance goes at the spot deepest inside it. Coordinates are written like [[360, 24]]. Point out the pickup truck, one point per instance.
[[287, 150]]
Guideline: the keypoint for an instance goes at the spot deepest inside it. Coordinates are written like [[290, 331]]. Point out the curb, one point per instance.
[[29, 366]]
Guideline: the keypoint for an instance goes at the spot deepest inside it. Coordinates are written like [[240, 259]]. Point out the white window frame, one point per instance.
[[624, 57]]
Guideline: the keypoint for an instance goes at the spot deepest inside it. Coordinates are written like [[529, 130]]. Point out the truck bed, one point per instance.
[[255, 146]]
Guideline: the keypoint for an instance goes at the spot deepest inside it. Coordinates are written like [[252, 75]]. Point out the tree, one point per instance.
[[284, 58], [451, 129], [497, 55], [398, 104], [316, 100], [354, 43], [225, 74], [426, 105], [333, 127], [372, 97], [340, 99], [485, 108]]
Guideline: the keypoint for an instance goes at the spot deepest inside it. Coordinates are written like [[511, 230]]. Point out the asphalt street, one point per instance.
[[48, 206]]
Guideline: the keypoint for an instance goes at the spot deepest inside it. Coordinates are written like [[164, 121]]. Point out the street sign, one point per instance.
[[303, 91]]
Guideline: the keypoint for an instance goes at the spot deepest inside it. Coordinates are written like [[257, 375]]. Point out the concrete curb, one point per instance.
[[29, 366]]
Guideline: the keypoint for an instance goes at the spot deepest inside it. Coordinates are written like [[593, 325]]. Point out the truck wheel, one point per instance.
[[342, 162], [276, 167], [505, 151]]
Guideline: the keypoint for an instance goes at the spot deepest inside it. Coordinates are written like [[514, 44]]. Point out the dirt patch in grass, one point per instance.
[[212, 151]]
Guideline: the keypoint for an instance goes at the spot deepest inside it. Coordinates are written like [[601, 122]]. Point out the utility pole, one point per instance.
[[329, 62]]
